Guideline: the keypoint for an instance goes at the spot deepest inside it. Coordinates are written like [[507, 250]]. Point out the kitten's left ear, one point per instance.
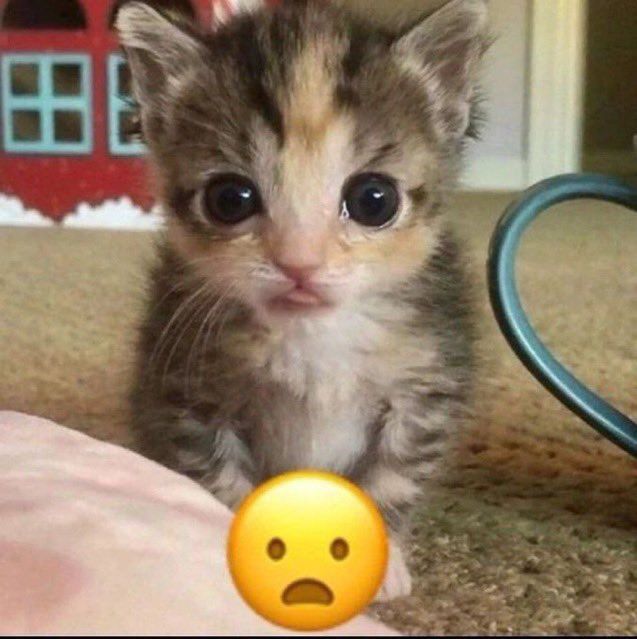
[[158, 49], [444, 51]]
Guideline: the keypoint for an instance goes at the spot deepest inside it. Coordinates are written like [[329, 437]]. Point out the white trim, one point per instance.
[[558, 48], [121, 214], [495, 174], [14, 213]]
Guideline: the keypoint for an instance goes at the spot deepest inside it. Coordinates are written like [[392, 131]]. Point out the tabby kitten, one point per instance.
[[309, 307]]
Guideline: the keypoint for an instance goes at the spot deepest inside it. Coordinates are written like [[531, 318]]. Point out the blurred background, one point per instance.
[[559, 82]]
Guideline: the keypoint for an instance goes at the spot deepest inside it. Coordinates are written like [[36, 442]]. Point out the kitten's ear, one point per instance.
[[444, 51], [224, 12], [158, 49]]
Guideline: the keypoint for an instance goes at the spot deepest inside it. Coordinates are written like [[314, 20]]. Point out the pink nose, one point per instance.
[[299, 273]]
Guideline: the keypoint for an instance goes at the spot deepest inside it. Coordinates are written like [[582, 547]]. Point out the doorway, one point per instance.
[[609, 127]]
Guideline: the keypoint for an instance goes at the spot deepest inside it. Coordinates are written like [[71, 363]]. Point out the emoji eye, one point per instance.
[[339, 549], [276, 549]]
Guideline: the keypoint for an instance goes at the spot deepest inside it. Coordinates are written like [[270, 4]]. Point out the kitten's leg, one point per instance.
[[211, 454], [410, 441], [397, 581], [394, 493], [227, 474]]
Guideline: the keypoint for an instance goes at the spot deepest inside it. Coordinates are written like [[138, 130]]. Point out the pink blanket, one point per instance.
[[95, 539]]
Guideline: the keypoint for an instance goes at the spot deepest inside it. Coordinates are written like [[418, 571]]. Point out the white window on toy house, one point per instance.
[[46, 103], [123, 129]]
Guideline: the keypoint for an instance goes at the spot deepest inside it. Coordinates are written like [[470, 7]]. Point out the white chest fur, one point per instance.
[[293, 436], [319, 395]]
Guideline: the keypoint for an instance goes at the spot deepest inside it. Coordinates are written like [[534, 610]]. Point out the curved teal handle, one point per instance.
[[512, 319]]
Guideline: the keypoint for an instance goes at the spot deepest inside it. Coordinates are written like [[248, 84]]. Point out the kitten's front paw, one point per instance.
[[397, 579]]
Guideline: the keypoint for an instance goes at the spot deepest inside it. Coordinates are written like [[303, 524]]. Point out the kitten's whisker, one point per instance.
[[222, 310], [221, 324], [208, 319], [173, 289], [199, 308], [226, 315], [162, 341]]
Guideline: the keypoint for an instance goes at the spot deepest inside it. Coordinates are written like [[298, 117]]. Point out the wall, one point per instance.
[[499, 160]]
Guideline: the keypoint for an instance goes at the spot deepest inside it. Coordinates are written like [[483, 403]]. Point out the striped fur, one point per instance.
[[300, 98]]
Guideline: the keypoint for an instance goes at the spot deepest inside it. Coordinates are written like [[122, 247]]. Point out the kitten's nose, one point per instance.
[[300, 273]]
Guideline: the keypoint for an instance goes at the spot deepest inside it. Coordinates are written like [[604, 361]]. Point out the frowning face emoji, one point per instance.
[[308, 550]]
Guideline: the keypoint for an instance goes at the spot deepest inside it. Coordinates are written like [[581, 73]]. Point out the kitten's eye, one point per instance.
[[371, 199], [231, 199]]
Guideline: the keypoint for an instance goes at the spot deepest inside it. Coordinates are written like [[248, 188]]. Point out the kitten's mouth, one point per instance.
[[298, 300]]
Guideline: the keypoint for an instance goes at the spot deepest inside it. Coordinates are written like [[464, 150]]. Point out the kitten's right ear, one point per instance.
[[158, 49]]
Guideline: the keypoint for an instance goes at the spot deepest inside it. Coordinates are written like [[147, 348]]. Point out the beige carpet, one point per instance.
[[532, 530]]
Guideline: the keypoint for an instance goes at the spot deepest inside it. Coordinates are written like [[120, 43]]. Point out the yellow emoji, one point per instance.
[[308, 550]]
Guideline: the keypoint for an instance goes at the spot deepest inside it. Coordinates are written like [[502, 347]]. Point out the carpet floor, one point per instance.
[[533, 526]]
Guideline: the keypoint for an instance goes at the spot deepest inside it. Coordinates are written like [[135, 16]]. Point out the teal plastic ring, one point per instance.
[[514, 322]]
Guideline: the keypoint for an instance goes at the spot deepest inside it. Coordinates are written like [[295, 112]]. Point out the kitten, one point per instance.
[[309, 308]]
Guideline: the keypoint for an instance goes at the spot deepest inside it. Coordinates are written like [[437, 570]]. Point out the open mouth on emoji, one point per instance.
[[307, 591]]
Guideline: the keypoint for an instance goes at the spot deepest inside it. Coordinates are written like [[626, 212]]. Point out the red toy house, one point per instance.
[[64, 103]]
